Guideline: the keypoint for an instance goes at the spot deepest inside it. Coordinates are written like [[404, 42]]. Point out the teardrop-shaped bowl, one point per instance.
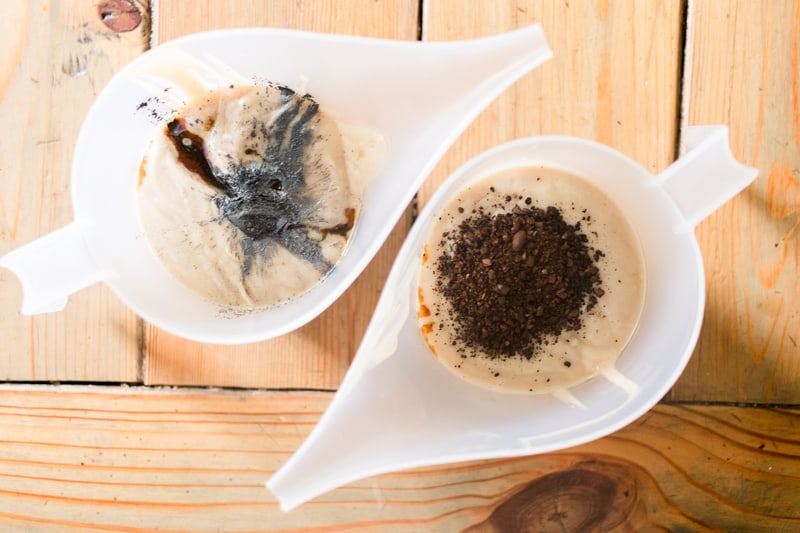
[[418, 96], [399, 407]]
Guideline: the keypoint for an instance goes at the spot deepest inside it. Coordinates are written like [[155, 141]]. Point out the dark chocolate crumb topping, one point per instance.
[[517, 279]]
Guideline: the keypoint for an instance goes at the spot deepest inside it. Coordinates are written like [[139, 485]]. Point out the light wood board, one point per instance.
[[743, 71], [128, 459], [56, 57]]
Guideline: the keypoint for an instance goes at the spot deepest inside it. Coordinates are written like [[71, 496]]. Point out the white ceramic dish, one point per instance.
[[420, 96], [400, 408]]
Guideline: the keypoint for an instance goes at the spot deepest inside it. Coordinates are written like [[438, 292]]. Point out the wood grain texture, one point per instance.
[[743, 71], [55, 58], [143, 458], [614, 76], [317, 355], [117, 459]]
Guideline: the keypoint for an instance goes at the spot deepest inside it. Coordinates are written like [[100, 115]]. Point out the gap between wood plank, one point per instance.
[[134, 388], [684, 66], [683, 92]]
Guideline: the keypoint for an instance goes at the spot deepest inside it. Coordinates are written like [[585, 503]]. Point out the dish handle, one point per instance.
[[53, 267], [706, 176]]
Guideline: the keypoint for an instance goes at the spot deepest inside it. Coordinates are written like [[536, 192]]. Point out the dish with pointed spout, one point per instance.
[[398, 407], [419, 96]]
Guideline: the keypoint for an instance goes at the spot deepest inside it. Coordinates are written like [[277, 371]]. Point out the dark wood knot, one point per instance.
[[587, 497], [119, 15]]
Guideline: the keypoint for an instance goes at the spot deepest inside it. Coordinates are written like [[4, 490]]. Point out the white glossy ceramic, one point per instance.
[[398, 407], [420, 96]]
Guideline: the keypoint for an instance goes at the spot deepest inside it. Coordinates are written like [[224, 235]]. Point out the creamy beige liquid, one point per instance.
[[182, 216], [574, 356]]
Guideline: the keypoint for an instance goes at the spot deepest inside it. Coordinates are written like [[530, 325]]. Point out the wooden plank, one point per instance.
[[317, 355], [56, 57], [743, 71], [614, 76], [133, 459], [392, 19]]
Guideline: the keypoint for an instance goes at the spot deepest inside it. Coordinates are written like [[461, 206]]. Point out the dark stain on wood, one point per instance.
[[591, 495], [119, 15]]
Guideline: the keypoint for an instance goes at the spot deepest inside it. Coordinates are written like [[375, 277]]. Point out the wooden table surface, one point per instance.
[[108, 424]]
